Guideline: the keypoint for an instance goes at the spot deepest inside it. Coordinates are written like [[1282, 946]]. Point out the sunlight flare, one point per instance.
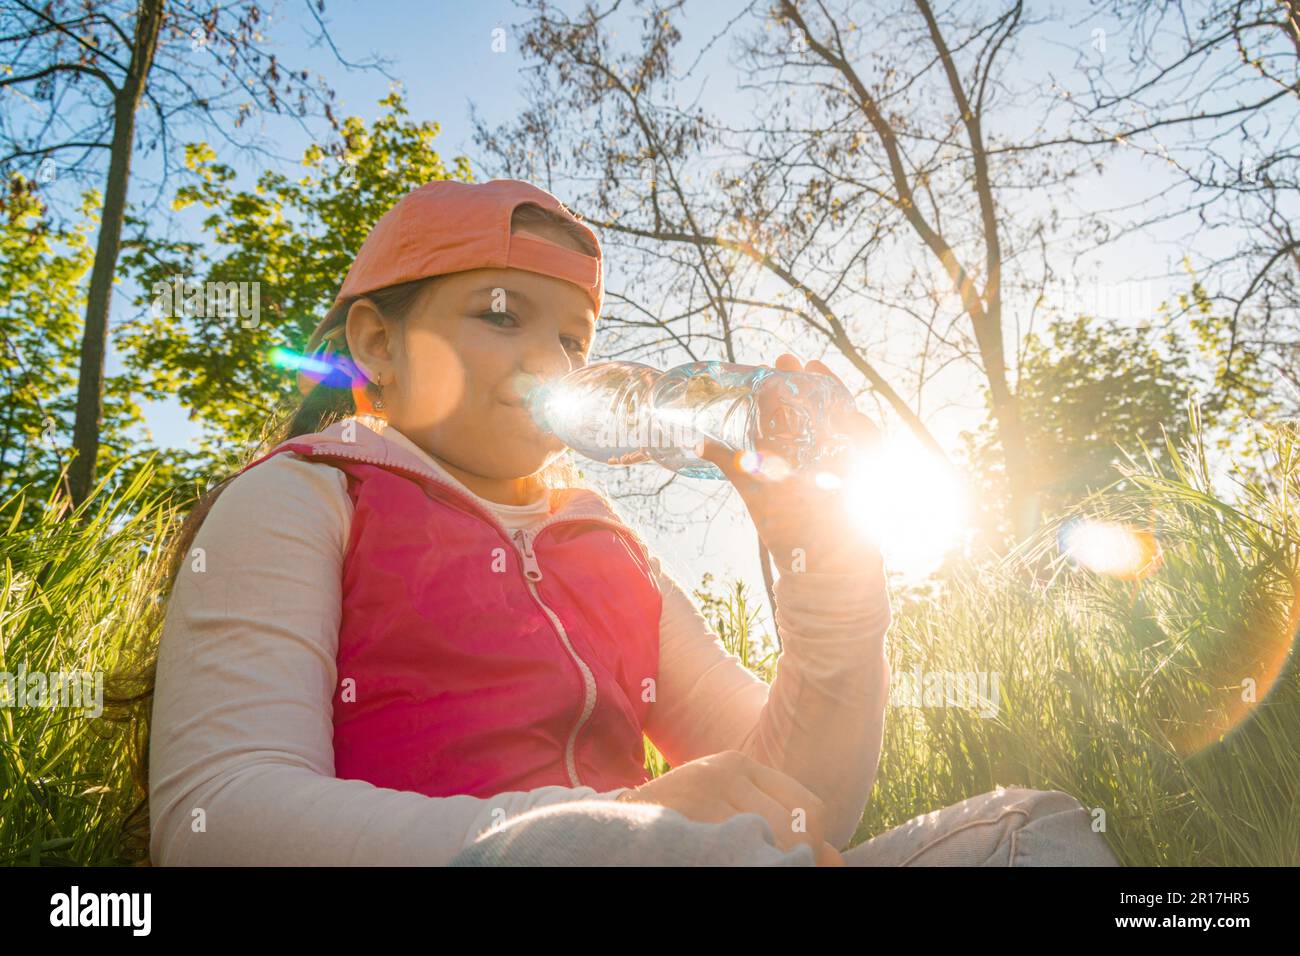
[[907, 500]]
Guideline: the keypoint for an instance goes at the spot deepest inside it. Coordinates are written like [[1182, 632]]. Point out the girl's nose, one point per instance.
[[541, 364], [547, 361]]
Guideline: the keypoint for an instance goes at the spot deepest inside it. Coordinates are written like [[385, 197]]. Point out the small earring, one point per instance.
[[379, 402]]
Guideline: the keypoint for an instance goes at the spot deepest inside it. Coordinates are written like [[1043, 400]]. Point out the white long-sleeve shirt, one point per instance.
[[241, 749]]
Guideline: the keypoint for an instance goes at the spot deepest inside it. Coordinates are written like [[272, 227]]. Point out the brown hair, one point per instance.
[[128, 697]]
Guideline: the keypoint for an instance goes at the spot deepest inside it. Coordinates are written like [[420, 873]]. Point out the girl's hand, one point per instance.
[[805, 527], [717, 787]]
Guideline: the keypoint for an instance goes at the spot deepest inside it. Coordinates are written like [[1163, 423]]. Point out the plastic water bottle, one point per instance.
[[626, 413]]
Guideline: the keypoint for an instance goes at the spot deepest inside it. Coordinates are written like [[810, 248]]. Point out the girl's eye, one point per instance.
[[577, 345]]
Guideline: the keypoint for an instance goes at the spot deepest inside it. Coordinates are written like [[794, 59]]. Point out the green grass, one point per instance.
[[1127, 694], [77, 594]]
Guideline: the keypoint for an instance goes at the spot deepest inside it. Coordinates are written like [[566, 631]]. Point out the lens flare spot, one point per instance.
[[827, 481], [1111, 548], [558, 401], [764, 465], [438, 389], [285, 358]]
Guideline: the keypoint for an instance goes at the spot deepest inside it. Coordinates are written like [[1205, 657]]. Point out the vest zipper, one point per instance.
[[532, 574], [522, 540], [532, 571]]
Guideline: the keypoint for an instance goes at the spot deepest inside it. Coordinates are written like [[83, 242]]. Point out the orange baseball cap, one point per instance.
[[450, 226]]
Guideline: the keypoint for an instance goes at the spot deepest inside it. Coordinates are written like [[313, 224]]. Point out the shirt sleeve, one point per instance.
[[241, 745], [822, 718]]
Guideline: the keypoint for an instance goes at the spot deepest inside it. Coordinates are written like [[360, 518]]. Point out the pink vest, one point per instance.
[[471, 661]]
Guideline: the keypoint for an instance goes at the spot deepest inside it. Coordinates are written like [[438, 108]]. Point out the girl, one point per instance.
[[409, 635]]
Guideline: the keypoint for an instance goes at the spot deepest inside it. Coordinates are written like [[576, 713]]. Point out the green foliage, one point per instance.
[[1089, 391], [733, 618], [1168, 706], [296, 237], [1092, 391], [1241, 387], [41, 274]]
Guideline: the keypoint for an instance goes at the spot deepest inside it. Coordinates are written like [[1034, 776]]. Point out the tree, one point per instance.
[[1094, 390], [867, 182], [201, 62], [299, 234], [1208, 92], [867, 178], [1089, 391]]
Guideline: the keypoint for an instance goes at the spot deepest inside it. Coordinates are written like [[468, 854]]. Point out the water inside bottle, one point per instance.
[[598, 410], [748, 408], [627, 413]]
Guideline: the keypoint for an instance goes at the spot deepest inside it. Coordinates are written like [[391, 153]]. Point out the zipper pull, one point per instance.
[[532, 570]]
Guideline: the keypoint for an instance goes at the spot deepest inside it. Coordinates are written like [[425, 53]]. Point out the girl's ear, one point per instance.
[[371, 340]]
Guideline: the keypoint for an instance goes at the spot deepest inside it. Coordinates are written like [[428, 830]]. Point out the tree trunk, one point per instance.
[[1026, 502], [94, 339]]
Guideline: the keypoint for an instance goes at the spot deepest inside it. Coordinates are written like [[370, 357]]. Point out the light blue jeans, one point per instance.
[[1004, 827]]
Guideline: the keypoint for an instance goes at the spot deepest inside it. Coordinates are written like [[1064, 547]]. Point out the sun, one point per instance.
[[907, 500]]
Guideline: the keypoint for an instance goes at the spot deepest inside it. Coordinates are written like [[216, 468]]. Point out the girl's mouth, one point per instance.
[[522, 411]]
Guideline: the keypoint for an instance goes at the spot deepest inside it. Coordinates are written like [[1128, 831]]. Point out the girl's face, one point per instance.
[[456, 369]]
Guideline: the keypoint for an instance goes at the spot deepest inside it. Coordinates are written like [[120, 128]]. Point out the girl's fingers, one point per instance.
[[854, 423], [718, 454], [790, 794], [747, 798], [829, 856], [788, 362], [821, 368], [727, 461], [862, 431], [749, 486]]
